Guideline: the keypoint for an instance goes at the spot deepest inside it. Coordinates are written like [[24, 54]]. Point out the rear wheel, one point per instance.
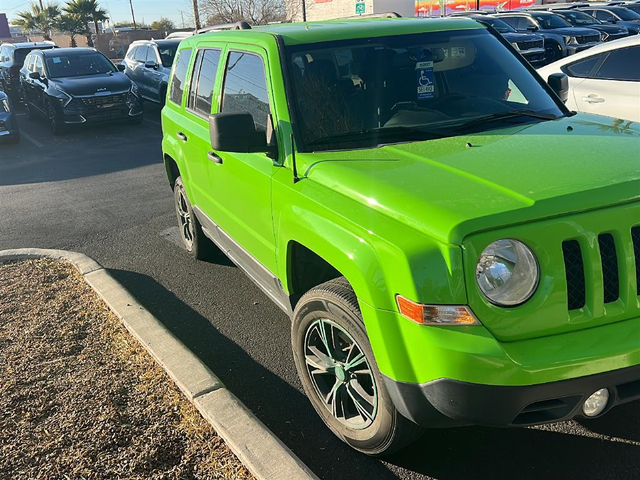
[[339, 372], [193, 238]]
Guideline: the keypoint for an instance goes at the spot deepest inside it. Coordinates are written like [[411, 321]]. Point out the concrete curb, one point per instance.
[[264, 455]]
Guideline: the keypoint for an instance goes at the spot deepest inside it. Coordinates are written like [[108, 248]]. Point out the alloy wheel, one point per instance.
[[341, 374], [186, 223]]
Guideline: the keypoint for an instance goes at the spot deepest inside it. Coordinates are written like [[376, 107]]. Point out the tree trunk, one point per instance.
[[72, 42], [89, 40]]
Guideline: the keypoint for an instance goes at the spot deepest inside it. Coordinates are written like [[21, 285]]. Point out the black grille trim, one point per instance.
[[635, 236], [610, 274], [574, 268]]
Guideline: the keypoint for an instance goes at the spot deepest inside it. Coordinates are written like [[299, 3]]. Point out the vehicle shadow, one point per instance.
[[281, 406]]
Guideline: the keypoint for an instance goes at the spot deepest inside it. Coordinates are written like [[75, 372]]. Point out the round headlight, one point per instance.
[[507, 273]]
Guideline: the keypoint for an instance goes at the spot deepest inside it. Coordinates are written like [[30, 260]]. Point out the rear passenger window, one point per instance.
[[179, 76], [582, 68], [245, 87], [621, 65], [203, 80]]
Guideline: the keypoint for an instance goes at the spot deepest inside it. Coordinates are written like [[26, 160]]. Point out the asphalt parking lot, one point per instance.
[[102, 191]]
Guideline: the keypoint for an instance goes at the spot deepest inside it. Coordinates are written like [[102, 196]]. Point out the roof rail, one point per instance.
[[376, 15], [225, 26]]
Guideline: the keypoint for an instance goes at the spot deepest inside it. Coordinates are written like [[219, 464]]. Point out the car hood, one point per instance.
[[448, 189], [521, 37], [93, 84], [572, 31], [609, 28]]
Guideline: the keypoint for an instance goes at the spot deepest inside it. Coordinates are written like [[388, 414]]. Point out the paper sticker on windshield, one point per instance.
[[56, 60], [424, 76], [457, 52]]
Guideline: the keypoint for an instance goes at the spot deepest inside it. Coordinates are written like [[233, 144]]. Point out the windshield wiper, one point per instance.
[[504, 115], [375, 133]]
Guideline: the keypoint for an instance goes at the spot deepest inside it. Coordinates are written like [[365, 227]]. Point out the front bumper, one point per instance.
[[572, 49], [446, 376], [83, 110], [447, 403], [8, 127], [534, 55]]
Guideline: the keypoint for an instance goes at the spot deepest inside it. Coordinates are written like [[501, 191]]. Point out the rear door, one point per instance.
[[39, 86], [153, 75], [137, 70], [613, 80]]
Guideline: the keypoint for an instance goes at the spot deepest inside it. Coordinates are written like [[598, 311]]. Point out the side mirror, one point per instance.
[[532, 28], [559, 83], [151, 64], [34, 75], [236, 132], [121, 67]]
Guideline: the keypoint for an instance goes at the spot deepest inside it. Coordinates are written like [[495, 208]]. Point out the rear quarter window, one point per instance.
[[179, 76]]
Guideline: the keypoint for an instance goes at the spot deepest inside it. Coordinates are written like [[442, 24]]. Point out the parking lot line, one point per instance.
[[31, 139]]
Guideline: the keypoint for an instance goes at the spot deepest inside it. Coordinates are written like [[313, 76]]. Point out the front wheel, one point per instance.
[[193, 238], [55, 120], [339, 372]]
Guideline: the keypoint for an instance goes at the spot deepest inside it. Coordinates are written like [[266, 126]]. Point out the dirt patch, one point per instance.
[[80, 398]]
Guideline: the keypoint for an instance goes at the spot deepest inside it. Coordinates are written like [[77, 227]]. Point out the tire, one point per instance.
[[163, 96], [137, 120], [57, 125], [376, 428], [552, 53], [193, 238]]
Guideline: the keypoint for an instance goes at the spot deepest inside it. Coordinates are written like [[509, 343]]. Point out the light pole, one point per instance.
[[196, 14], [133, 15]]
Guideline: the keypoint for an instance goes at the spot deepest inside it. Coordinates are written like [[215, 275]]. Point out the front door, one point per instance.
[[240, 184]]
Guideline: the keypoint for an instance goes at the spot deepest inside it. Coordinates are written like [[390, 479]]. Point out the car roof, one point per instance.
[[341, 29], [164, 41], [29, 44], [62, 51], [530, 14]]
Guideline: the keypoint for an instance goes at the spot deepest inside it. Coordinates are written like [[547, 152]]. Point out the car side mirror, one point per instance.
[[559, 83], [121, 67], [151, 64], [236, 132], [532, 28], [34, 75]]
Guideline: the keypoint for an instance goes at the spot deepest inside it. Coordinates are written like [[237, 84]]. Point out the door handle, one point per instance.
[[181, 136], [593, 98], [214, 158]]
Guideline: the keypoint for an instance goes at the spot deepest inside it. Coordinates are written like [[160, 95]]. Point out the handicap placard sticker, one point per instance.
[[424, 76]]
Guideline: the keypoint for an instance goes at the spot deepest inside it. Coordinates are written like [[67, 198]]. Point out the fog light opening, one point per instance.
[[596, 403]]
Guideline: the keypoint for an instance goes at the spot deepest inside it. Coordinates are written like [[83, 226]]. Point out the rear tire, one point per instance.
[[193, 238], [349, 395]]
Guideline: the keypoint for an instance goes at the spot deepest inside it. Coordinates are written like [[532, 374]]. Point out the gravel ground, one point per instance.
[[79, 398]]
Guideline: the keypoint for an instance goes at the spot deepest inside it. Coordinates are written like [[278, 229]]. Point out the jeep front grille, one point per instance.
[[574, 268], [526, 45], [635, 236], [588, 39], [610, 275]]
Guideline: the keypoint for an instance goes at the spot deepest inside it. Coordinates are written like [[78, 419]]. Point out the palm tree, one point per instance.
[[38, 18], [72, 25], [87, 11]]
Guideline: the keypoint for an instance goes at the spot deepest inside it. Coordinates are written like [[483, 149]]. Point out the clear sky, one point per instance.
[[120, 11]]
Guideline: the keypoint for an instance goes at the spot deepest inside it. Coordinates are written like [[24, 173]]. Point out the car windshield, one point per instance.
[[499, 25], [359, 93], [550, 21], [625, 14], [579, 18], [21, 53], [78, 64], [167, 53], [635, 7]]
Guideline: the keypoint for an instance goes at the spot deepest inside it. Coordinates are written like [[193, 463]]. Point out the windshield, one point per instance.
[[21, 53], [579, 18], [78, 64], [408, 87], [499, 25], [550, 21], [625, 14], [167, 53], [634, 7]]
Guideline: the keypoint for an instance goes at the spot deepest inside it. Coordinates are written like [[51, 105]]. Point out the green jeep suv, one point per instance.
[[453, 245]]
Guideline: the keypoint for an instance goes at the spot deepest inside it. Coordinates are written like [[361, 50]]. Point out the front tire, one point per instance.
[[193, 238], [340, 375], [55, 120]]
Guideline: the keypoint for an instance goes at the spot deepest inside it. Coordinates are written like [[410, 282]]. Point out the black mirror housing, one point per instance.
[[559, 83], [34, 75], [151, 64], [236, 132], [121, 67], [532, 28]]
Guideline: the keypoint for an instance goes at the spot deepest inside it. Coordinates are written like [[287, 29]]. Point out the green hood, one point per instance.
[[452, 187]]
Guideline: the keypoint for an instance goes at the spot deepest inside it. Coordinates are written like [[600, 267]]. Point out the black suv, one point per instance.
[[620, 16], [577, 18], [560, 37], [76, 86], [530, 45], [12, 57]]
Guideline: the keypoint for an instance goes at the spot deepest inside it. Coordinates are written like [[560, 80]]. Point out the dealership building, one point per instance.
[[328, 9]]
